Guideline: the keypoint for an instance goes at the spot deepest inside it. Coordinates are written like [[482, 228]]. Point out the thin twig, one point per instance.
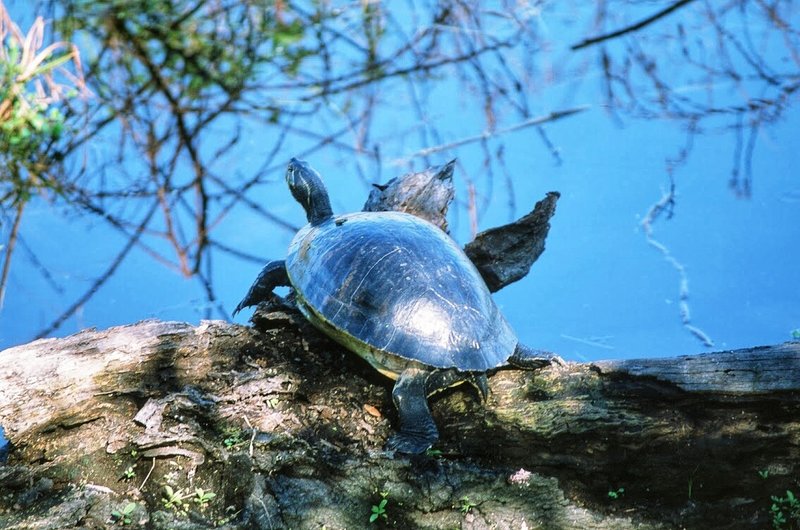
[[252, 434], [553, 116], [630, 29], [103, 278], [12, 239], [148, 474], [664, 204]]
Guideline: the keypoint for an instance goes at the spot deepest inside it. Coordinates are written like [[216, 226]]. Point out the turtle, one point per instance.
[[399, 292]]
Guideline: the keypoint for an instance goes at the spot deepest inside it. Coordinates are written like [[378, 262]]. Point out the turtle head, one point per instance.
[[307, 189]]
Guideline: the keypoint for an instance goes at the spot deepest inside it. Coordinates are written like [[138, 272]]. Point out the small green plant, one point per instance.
[[129, 473], [202, 498], [379, 510], [763, 473], [616, 494], [174, 499], [231, 513], [123, 516], [466, 505], [434, 453], [233, 436], [796, 334], [785, 511]]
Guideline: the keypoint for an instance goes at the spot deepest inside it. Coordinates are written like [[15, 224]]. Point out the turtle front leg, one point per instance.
[[530, 359], [271, 276], [417, 430]]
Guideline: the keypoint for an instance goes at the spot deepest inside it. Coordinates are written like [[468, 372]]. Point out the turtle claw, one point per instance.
[[249, 300], [411, 443], [531, 359], [271, 276], [550, 358], [558, 361]]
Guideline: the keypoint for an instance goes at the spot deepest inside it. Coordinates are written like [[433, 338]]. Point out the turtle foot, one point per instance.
[[252, 298], [531, 359], [411, 443], [271, 276]]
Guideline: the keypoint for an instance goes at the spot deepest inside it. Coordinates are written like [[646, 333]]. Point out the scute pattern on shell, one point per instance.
[[402, 286]]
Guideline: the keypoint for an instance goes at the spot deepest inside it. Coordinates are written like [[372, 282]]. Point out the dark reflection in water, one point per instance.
[[4, 446]]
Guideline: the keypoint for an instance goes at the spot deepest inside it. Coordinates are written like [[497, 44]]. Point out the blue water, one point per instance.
[[599, 290]]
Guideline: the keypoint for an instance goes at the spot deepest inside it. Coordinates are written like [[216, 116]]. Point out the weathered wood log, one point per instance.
[[287, 430], [426, 194], [506, 253]]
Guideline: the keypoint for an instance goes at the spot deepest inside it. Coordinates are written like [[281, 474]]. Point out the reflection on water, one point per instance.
[[711, 123], [792, 197], [4, 446]]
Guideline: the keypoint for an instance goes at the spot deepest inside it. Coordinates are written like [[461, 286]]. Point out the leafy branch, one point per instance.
[[31, 122]]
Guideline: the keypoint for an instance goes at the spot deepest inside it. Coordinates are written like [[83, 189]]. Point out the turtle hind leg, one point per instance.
[[439, 380], [271, 276], [531, 359], [417, 429]]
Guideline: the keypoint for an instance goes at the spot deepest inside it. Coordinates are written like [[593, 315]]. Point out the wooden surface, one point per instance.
[[506, 253], [749, 371], [687, 438]]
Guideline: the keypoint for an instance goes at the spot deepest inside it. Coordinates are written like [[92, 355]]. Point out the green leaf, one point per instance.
[[52, 64], [287, 34], [13, 52]]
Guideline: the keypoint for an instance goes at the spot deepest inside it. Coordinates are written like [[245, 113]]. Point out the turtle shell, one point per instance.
[[395, 288]]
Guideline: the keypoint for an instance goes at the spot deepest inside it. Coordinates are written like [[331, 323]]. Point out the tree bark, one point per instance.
[[286, 429]]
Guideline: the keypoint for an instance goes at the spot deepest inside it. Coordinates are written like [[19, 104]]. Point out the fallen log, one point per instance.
[[286, 430]]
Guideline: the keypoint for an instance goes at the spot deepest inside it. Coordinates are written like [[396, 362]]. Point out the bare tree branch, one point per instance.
[[553, 116], [9, 250], [633, 27]]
